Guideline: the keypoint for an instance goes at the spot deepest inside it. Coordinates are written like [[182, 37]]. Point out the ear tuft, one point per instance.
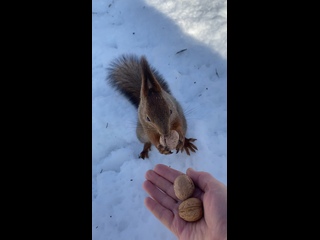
[[148, 79]]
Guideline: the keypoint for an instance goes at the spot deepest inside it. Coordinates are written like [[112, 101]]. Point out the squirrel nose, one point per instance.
[[165, 132], [166, 135]]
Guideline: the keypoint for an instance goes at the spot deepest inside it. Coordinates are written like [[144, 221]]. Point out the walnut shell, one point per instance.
[[172, 141], [191, 210], [183, 187]]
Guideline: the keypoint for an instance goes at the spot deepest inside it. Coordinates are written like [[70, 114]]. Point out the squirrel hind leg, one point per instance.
[[145, 152]]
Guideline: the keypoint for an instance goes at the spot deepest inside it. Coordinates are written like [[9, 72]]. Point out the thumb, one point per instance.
[[191, 172], [201, 179]]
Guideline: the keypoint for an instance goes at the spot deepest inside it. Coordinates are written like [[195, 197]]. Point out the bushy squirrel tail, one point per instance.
[[125, 75]]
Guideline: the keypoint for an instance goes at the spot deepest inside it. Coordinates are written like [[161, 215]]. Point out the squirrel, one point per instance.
[[158, 111]]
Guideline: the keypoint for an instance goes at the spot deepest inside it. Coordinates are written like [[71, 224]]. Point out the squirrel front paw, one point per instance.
[[164, 149], [186, 144]]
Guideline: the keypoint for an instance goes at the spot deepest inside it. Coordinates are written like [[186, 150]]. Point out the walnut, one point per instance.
[[191, 209], [183, 187], [172, 141]]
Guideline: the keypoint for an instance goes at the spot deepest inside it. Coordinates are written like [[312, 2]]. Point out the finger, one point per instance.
[[166, 172], [160, 212], [180, 149], [187, 151], [193, 147], [164, 184], [159, 196]]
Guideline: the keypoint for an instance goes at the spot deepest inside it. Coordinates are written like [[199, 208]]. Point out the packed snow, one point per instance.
[[197, 77]]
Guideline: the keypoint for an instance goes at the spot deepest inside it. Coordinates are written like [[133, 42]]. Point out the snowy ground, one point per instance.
[[197, 78]]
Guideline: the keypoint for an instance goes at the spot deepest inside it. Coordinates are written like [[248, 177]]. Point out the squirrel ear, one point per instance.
[[148, 79]]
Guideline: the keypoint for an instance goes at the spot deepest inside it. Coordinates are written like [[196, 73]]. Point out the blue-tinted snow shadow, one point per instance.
[[174, 53]]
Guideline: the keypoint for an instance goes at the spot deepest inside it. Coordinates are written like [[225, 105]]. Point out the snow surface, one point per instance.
[[197, 78]]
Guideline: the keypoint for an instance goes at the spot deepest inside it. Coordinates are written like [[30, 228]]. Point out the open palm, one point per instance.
[[164, 204]]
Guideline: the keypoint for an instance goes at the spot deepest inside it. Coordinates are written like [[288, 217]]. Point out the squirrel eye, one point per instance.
[[148, 119], [170, 111]]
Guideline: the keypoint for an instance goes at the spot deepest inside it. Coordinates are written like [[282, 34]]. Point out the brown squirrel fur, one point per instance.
[[158, 111]]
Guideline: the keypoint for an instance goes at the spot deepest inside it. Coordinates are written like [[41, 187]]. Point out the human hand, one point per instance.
[[164, 204]]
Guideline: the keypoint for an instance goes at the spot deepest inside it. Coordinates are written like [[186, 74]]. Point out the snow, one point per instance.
[[197, 78]]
